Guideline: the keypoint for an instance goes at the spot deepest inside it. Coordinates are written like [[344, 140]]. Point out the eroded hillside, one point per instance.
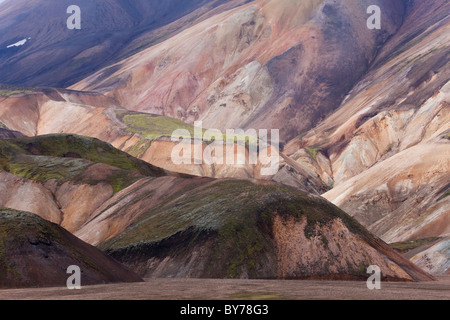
[[235, 69], [156, 222], [37, 253]]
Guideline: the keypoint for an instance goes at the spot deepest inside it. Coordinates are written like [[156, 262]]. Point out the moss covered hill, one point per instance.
[[238, 229], [37, 253], [65, 178], [66, 157]]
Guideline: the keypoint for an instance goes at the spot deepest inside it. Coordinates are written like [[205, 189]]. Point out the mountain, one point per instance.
[[236, 69], [386, 149], [434, 259], [64, 178], [41, 111], [363, 117], [236, 229], [37, 253], [156, 222], [110, 30]]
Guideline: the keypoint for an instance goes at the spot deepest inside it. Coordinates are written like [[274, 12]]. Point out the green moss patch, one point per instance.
[[406, 246], [445, 195], [315, 149], [153, 126], [43, 169], [8, 93], [9, 90], [91, 149], [67, 157]]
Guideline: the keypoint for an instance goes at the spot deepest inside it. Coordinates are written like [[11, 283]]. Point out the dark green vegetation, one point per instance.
[[37, 253], [67, 157], [445, 195], [406, 246], [155, 126], [315, 149], [7, 90], [150, 127], [237, 216]]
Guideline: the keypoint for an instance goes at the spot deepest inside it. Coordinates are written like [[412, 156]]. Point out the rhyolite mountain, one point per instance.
[[278, 64], [41, 111], [160, 224], [386, 150], [364, 113], [110, 30]]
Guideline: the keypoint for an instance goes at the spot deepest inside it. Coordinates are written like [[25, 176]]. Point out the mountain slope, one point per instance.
[[386, 149], [37, 253], [436, 259], [364, 113], [41, 111], [235, 69], [64, 178], [241, 230], [110, 29]]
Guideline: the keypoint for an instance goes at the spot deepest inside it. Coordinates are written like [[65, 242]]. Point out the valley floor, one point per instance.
[[200, 289]]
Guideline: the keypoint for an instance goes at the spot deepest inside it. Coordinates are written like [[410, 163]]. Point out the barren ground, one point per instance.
[[174, 289]]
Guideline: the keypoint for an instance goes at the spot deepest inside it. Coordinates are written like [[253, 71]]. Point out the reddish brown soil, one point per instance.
[[187, 289]]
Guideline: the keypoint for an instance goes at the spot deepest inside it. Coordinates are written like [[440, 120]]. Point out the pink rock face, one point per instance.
[[387, 145], [236, 68]]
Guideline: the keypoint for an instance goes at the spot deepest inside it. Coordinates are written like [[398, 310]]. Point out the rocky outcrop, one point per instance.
[[37, 253], [9, 134]]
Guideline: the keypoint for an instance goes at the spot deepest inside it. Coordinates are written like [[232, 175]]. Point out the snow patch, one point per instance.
[[18, 44]]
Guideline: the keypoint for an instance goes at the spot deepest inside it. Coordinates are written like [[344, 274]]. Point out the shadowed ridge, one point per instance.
[[37, 253]]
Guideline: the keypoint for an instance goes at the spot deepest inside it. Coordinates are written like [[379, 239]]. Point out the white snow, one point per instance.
[[18, 44]]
